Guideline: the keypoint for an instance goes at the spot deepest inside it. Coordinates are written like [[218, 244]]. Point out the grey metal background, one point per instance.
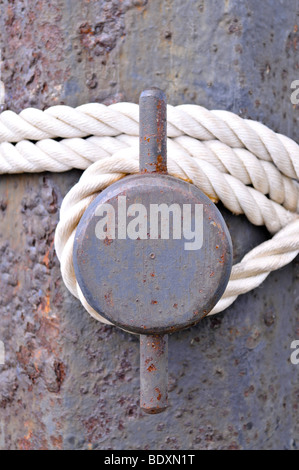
[[70, 382]]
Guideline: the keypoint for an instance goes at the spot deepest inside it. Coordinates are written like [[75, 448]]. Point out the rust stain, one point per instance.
[[57, 442], [222, 259], [25, 442], [161, 165], [60, 373], [44, 306], [46, 258], [108, 241], [109, 299]]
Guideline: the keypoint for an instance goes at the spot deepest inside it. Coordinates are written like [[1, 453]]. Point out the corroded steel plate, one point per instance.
[[137, 274]]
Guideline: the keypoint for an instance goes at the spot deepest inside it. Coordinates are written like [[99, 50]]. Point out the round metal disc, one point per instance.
[[140, 276]]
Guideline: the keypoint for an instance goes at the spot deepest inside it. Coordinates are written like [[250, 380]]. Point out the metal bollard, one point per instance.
[[143, 272]]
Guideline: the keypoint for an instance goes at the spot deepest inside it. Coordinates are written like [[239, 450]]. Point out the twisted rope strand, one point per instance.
[[50, 155], [122, 118]]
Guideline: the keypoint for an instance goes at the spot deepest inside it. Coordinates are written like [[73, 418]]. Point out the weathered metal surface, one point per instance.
[[152, 285], [152, 131], [153, 373], [68, 381]]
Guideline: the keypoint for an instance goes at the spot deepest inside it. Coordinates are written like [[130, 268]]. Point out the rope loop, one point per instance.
[[242, 163]]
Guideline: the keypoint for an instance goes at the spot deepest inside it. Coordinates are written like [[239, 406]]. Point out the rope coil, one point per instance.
[[242, 163]]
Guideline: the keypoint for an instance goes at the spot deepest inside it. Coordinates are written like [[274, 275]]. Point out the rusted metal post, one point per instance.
[[153, 131], [150, 286], [153, 373], [153, 159]]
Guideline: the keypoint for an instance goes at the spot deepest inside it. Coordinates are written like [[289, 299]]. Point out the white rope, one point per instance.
[[242, 163]]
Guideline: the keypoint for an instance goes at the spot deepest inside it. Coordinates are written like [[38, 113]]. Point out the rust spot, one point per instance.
[[148, 360], [25, 443], [108, 241], [159, 396], [235, 27], [86, 28], [151, 368], [46, 258], [57, 442], [222, 259], [154, 302], [161, 167], [60, 373], [44, 306], [109, 299]]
